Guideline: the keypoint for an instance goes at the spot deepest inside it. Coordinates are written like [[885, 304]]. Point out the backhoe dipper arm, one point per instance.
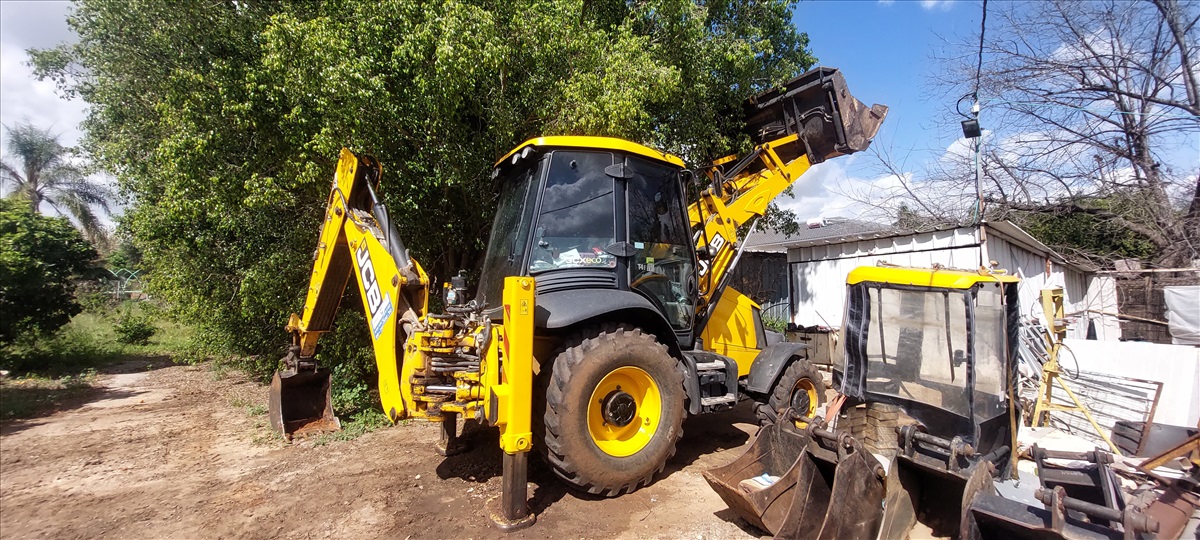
[[357, 238]]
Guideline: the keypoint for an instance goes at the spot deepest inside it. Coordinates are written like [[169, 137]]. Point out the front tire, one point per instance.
[[614, 410], [800, 388]]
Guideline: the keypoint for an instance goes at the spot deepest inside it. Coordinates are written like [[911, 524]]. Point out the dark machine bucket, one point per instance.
[[916, 492], [819, 108], [300, 404], [827, 487]]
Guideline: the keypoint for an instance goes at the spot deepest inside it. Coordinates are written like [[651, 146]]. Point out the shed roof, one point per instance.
[[849, 230], [836, 230]]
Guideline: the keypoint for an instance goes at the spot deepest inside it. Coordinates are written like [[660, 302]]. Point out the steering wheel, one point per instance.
[[643, 278]]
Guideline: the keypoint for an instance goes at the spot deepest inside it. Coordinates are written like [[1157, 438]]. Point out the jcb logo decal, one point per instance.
[[379, 305]]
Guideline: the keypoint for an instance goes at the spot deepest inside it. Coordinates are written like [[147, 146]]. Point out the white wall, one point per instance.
[[1176, 366], [1038, 272], [818, 274], [1102, 296]]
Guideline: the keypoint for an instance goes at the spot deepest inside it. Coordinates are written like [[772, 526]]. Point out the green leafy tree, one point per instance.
[[41, 173], [222, 120], [40, 259], [1085, 235]]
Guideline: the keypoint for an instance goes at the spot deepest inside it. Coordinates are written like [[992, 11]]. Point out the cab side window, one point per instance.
[[658, 229]]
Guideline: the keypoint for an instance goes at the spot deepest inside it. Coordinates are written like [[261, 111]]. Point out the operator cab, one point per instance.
[[939, 345], [593, 213]]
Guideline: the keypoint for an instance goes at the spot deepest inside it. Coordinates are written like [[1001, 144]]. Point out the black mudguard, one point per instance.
[[561, 309], [769, 365]]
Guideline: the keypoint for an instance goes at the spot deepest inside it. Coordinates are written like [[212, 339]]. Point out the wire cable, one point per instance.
[[979, 63]]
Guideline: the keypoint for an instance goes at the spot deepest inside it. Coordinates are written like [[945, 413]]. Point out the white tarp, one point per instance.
[[1183, 314]]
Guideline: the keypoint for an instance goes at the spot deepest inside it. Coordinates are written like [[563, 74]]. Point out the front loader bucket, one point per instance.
[[827, 488], [300, 404], [818, 107], [917, 492], [775, 452], [839, 494]]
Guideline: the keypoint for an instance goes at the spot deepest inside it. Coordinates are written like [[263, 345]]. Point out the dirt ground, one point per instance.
[[179, 452]]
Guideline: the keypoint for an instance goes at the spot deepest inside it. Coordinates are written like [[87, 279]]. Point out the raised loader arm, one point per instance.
[[357, 238], [811, 119]]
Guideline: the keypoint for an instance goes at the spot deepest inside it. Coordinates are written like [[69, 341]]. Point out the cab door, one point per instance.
[[663, 265]]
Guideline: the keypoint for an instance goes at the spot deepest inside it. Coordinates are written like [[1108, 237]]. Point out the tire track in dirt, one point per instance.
[[167, 454]]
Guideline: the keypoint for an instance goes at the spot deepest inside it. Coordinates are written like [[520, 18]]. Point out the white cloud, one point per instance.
[[828, 190], [930, 5], [887, 2], [23, 98]]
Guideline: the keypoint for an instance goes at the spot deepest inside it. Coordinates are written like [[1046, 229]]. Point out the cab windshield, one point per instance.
[[575, 222]]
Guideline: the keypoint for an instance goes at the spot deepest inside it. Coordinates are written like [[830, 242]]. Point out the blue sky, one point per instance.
[[882, 47], [884, 50]]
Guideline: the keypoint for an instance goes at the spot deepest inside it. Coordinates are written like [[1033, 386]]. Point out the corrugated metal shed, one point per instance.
[[817, 269]]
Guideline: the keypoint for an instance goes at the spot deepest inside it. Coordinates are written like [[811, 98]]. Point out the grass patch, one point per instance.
[[249, 407], [90, 341], [360, 424], [27, 397]]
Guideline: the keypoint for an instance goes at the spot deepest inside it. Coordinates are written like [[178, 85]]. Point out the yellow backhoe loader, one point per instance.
[[603, 313]]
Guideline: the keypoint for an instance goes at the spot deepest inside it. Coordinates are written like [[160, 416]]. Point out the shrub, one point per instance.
[[775, 324], [40, 259], [134, 330]]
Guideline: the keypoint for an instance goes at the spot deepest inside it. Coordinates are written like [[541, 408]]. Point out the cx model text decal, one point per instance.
[[380, 305]]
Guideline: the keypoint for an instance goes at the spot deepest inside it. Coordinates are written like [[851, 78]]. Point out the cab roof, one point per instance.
[[944, 278], [595, 143]]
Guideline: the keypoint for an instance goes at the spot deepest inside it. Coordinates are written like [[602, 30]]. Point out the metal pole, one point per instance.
[[509, 511], [978, 168]]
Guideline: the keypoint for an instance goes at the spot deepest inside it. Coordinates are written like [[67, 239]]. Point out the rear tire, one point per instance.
[[614, 410], [800, 387]]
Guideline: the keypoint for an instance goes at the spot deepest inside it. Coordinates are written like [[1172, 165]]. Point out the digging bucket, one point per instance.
[[300, 403], [818, 107], [827, 487], [775, 452], [839, 491]]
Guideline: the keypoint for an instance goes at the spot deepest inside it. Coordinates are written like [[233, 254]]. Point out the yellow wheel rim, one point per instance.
[[624, 411], [804, 400]]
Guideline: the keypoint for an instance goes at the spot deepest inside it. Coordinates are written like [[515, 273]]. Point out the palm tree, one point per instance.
[[45, 175]]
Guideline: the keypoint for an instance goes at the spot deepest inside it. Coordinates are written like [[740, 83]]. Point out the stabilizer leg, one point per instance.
[[449, 443], [510, 511]]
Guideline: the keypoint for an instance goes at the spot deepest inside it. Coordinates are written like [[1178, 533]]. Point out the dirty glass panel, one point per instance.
[[917, 348], [510, 233], [658, 228], [990, 349]]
